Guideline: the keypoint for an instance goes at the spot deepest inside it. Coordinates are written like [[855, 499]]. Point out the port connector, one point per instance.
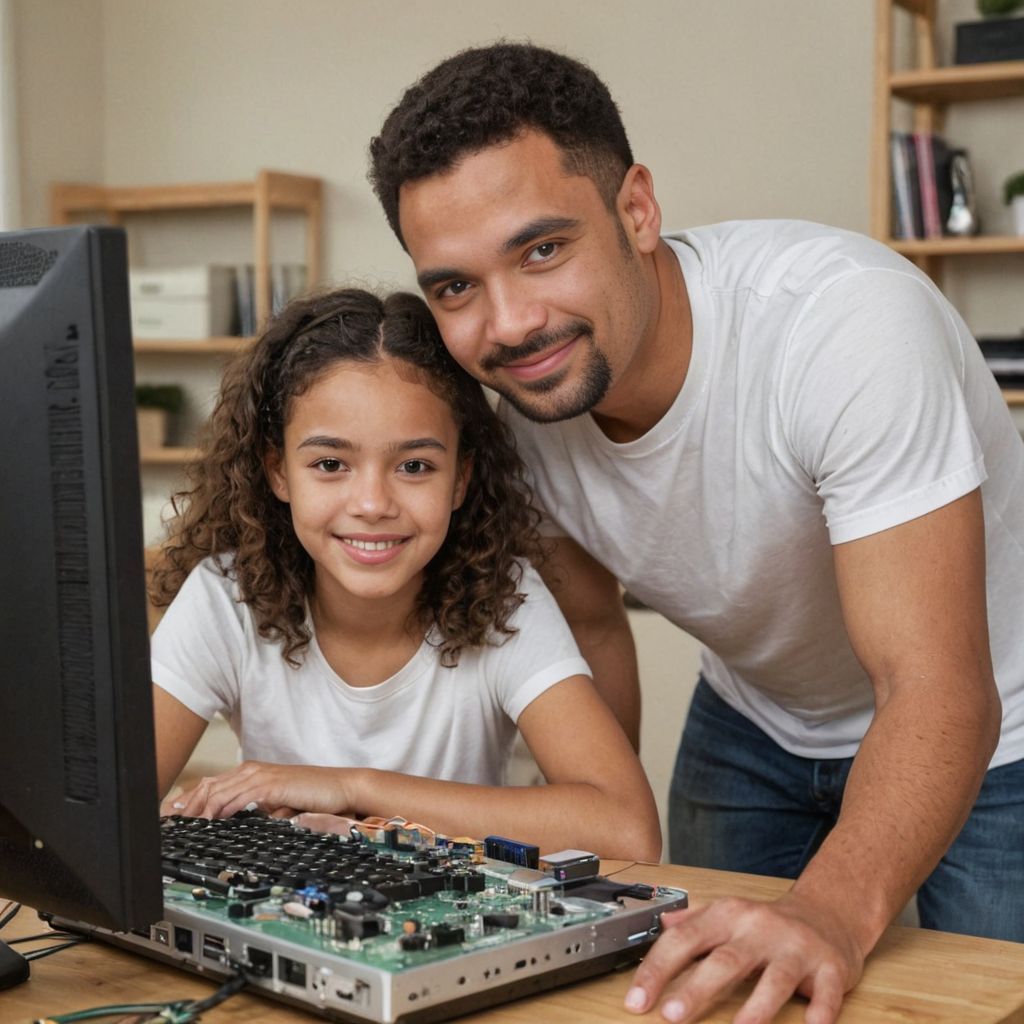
[[259, 961], [291, 971], [213, 947]]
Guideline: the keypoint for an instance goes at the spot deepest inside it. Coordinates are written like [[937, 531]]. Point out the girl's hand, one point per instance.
[[270, 787]]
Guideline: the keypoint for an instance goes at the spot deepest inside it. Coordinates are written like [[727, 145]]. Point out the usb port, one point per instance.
[[213, 947]]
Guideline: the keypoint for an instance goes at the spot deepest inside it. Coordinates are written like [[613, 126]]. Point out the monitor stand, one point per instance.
[[14, 967]]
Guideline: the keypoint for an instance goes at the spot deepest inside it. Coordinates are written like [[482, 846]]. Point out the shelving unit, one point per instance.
[[268, 192], [930, 88]]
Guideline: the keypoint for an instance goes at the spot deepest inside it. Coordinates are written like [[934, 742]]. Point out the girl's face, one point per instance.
[[372, 470]]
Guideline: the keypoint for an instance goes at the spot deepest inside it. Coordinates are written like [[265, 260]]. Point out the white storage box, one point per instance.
[[182, 302]]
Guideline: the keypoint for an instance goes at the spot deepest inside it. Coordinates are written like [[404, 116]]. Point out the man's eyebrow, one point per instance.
[[431, 277], [527, 233], [536, 229]]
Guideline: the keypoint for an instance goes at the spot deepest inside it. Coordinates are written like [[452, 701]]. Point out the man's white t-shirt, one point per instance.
[[832, 393], [456, 724]]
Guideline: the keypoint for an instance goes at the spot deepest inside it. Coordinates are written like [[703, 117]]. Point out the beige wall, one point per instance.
[[742, 108]]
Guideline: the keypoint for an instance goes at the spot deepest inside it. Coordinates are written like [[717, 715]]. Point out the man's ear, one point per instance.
[[462, 483], [639, 209], [275, 474]]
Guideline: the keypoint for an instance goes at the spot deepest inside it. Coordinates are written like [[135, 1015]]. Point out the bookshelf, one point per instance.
[[267, 192], [930, 89]]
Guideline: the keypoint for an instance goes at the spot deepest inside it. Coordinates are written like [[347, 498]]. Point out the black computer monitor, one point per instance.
[[79, 826]]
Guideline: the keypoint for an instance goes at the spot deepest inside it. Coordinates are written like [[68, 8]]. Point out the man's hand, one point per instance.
[[795, 946], [270, 787]]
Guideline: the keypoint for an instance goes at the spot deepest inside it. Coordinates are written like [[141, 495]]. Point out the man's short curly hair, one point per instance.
[[489, 95], [229, 511]]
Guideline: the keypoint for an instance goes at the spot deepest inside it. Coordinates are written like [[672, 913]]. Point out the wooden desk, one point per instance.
[[913, 975]]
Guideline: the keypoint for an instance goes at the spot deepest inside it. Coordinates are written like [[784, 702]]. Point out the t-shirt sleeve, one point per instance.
[[873, 403], [197, 647], [542, 653]]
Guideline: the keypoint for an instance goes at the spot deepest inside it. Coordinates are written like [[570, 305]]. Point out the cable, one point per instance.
[[38, 954], [146, 1010], [10, 914], [43, 935], [184, 1011], [230, 987]]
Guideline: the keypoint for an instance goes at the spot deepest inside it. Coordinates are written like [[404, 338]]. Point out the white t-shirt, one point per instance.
[[832, 392], [443, 723]]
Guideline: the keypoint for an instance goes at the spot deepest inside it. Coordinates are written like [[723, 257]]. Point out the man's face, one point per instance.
[[536, 285]]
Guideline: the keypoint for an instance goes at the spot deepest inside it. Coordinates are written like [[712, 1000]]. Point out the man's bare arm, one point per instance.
[[591, 600], [913, 599]]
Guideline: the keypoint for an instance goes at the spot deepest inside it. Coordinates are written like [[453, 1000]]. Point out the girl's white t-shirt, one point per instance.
[[445, 723]]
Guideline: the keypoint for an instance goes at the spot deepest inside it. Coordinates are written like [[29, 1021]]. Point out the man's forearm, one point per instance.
[[910, 790]]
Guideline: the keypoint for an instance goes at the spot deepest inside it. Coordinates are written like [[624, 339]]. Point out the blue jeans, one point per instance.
[[739, 802]]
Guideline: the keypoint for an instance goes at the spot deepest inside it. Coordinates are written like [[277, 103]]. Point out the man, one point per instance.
[[783, 438]]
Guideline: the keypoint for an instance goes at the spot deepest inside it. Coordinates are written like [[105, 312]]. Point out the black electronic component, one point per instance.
[[510, 851], [497, 921], [447, 935], [414, 941], [183, 940], [468, 881], [356, 926]]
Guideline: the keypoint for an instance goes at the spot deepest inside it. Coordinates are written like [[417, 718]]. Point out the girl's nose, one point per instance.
[[370, 496]]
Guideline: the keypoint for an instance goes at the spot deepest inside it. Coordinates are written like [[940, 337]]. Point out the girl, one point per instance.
[[351, 589]]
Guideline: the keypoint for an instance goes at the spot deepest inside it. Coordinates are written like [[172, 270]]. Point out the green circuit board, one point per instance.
[[450, 922]]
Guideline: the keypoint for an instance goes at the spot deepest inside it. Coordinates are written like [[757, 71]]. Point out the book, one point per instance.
[[903, 219], [925, 153]]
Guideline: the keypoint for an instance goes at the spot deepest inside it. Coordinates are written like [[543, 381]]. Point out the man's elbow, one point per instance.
[[991, 721]]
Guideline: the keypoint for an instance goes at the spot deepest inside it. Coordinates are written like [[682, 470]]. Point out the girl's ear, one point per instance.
[[275, 474], [462, 483]]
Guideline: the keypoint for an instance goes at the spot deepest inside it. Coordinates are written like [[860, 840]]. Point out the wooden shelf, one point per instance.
[[976, 245], [167, 456], [286, 191], [1014, 396], [204, 346], [919, 7], [961, 83], [269, 191]]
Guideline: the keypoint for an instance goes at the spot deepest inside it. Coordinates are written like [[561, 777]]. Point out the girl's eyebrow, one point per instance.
[[340, 444], [417, 442], [320, 441]]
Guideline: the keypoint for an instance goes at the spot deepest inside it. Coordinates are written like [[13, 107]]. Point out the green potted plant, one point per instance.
[[998, 8], [1013, 196], [155, 404]]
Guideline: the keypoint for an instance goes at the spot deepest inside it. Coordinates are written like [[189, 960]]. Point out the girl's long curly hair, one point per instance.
[[470, 588]]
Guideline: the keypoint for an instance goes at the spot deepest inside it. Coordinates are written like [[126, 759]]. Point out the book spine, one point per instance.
[[926, 177], [903, 226]]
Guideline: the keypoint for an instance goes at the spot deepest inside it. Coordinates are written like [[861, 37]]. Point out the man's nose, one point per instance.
[[513, 315]]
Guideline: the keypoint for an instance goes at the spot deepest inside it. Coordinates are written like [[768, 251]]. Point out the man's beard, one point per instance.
[[595, 381]]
